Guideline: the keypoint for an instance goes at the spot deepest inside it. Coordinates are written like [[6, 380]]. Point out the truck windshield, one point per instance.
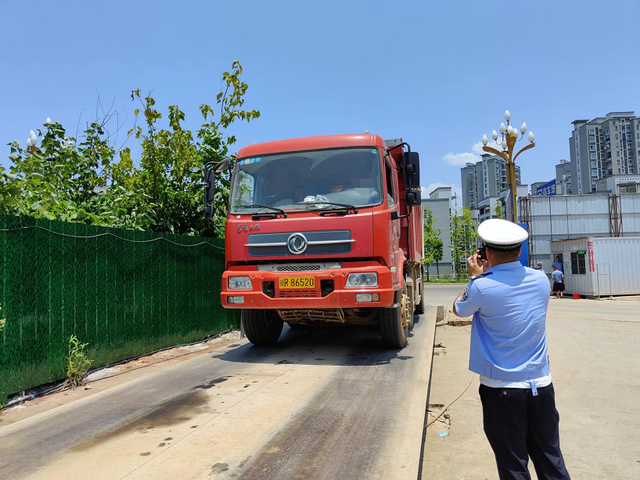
[[319, 178]]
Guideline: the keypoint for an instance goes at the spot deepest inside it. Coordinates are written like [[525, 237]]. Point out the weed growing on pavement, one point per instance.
[[2, 322], [77, 362]]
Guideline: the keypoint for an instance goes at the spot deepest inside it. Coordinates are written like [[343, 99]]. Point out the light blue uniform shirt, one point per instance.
[[557, 276], [508, 336]]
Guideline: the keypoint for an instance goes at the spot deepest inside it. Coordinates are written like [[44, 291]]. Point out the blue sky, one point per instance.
[[438, 74]]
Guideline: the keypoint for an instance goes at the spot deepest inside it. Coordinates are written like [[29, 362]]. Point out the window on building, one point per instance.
[[592, 139], [615, 127], [594, 164], [578, 264], [616, 136], [594, 156], [592, 148], [594, 173], [628, 188], [592, 131]]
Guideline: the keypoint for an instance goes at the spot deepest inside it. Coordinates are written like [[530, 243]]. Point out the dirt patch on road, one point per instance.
[[177, 410], [117, 376]]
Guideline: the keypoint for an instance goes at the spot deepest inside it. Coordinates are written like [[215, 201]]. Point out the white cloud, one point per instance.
[[460, 159], [477, 148]]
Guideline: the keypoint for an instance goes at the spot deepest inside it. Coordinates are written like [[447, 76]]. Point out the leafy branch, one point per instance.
[[87, 179]]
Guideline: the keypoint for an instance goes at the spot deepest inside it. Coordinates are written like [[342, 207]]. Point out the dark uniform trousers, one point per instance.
[[520, 426]]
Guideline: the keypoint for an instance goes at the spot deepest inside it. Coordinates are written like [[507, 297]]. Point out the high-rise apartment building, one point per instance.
[[484, 179], [603, 147], [563, 178]]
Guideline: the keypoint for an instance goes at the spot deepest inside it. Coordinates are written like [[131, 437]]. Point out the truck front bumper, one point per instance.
[[329, 291]]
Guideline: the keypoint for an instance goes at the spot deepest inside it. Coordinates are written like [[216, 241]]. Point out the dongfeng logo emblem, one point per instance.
[[297, 243]]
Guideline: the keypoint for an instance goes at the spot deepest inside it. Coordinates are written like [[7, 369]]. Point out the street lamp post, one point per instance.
[[505, 143]]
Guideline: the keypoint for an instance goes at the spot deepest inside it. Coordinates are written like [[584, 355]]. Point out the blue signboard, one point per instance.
[[524, 254], [548, 188]]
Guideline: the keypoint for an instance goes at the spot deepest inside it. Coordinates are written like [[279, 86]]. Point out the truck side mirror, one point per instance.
[[411, 164], [209, 188], [412, 198], [209, 171], [223, 166]]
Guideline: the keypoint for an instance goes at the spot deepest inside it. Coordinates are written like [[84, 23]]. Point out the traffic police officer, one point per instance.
[[509, 352]]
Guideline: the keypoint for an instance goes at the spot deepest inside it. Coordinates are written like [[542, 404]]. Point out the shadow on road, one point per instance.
[[335, 345]]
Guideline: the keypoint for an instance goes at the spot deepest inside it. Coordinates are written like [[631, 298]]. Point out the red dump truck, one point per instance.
[[323, 230]]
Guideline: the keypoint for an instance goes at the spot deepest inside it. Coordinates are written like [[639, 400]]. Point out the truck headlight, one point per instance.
[[359, 280], [240, 283]]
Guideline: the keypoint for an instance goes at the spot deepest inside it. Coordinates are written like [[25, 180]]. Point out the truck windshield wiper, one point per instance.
[[275, 209], [343, 205]]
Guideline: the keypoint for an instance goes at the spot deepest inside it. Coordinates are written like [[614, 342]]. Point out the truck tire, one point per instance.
[[420, 306], [394, 331], [262, 327]]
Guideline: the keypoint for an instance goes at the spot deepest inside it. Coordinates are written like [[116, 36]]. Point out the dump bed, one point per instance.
[[412, 234]]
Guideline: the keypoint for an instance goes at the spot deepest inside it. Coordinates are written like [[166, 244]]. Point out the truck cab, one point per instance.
[[323, 230]]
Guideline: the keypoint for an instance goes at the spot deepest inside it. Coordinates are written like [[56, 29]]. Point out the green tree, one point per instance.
[[63, 180], [463, 237], [88, 180], [500, 211], [433, 246]]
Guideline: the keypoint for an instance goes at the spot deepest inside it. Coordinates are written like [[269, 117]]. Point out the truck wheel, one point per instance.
[[394, 326], [262, 327], [420, 306]]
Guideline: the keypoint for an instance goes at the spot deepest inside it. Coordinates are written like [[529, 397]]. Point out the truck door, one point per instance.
[[395, 226]]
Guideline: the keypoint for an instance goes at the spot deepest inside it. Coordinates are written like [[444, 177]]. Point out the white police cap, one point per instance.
[[500, 234]]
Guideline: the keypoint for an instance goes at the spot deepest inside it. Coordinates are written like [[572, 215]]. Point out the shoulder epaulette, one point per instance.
[[482, 275]]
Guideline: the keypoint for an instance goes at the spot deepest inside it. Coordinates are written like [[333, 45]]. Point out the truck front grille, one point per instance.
[[297, 293], [297, 268], [312, 316], [329, 242]]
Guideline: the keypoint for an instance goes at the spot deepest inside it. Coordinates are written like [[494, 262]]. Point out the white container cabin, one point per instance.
[[599, 266]]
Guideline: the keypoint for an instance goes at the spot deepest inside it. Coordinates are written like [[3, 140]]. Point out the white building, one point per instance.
[[439, 202], [560, 217], [603, 147], [601, 266], [618, 184]]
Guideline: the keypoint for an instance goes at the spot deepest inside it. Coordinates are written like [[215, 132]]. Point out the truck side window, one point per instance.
[[391, 194]]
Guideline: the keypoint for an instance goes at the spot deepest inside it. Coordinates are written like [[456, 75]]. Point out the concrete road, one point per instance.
[[595, 366], [322, 404], [442, 294]]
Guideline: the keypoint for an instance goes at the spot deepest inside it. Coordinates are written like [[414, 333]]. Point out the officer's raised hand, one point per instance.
[[477, 265]]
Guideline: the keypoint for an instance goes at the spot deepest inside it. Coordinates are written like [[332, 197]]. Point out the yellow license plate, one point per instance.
[[297, 282]]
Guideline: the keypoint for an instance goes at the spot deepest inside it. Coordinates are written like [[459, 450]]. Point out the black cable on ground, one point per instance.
[[432, 421]]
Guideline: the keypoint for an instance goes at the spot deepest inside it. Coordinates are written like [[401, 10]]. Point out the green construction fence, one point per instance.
[[123, 292]]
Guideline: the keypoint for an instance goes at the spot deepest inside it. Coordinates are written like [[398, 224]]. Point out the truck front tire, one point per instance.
[[262, 327], [394, 331]]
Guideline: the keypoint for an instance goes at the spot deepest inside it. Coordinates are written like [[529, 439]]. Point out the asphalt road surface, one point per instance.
[[322, 404]]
